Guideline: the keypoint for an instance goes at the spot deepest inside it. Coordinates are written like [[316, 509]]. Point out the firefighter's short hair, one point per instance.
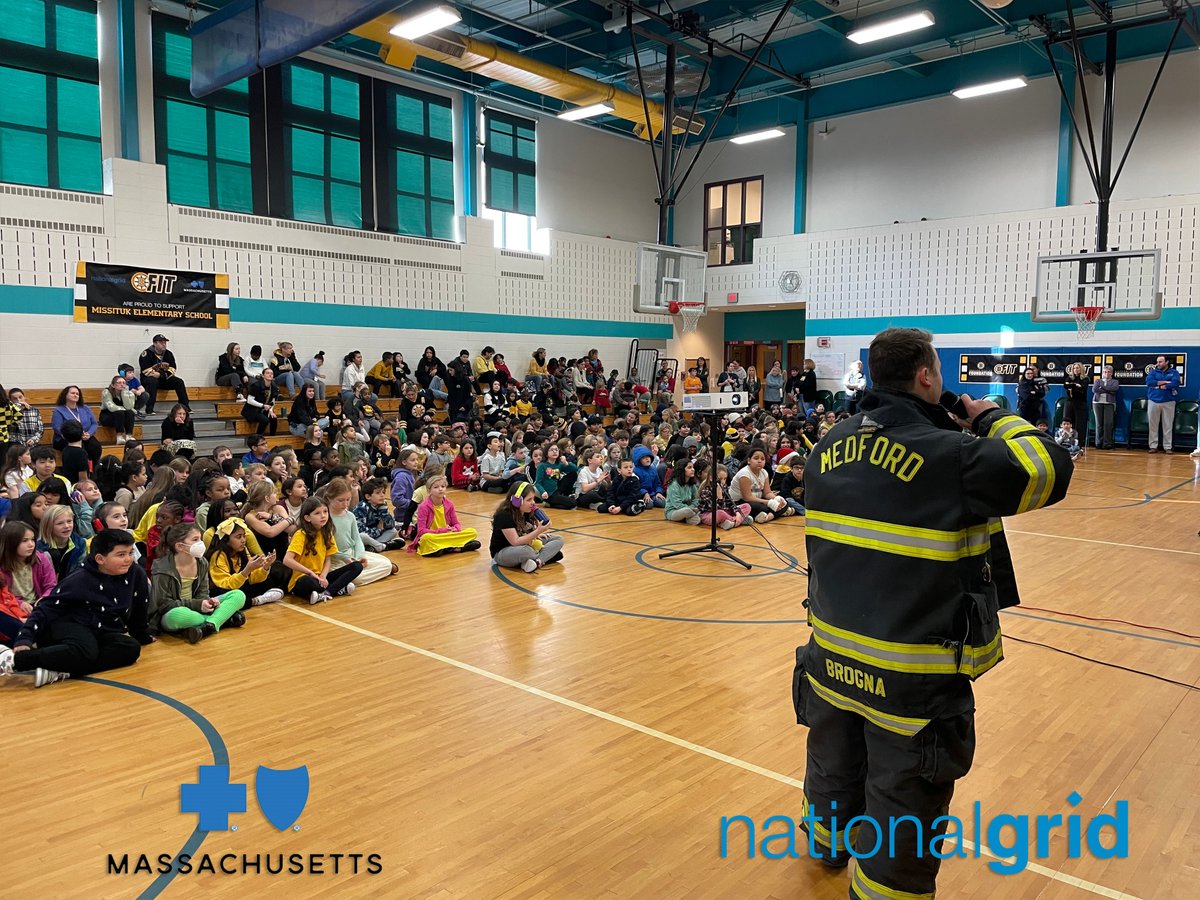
[[897, 353]]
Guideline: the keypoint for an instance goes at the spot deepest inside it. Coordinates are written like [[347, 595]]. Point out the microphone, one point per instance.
[[954, 403]]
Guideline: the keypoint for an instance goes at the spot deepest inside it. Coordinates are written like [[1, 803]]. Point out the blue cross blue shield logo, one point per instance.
[[282, 794]]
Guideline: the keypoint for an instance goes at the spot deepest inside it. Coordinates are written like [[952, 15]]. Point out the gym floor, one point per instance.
[[580, 732]]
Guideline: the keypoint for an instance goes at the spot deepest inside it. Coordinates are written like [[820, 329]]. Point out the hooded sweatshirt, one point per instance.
[[647, 472], [107, 604]]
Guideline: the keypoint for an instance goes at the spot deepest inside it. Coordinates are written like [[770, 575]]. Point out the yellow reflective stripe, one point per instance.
[[1031, 470], [1006, 426], [868, 889], [823, 835], [977, 660], [898, 724], [902, 540], [918, 659], [1040, 449], [995, 526]]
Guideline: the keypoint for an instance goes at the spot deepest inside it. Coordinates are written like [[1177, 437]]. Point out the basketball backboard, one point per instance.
[[1125, 283], [665, 275]]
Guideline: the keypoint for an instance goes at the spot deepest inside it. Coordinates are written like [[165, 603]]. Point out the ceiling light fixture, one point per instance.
[[891, 28], [992, 87], [425, 22], [755, 136], [585, 112]]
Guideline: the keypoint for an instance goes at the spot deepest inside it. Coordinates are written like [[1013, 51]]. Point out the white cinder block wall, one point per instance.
[[341, 289]]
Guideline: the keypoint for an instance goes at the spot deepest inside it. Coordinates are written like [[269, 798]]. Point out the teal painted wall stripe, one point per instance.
[[1066, 145], [16, 298], [994, 323]]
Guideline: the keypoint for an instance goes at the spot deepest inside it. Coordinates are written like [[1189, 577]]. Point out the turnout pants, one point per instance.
[[870, 771]]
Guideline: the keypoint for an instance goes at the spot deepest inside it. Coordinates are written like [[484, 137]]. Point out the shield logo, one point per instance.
[[282, 794]]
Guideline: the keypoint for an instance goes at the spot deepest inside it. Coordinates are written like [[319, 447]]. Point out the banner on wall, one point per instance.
[[130, 295], [1007, 368]]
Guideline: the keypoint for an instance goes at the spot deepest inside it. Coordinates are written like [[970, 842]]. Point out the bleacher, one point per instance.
[[228, 411]]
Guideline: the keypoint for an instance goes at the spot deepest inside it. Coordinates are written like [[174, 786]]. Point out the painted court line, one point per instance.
[[1067, 537], [1091, 887]]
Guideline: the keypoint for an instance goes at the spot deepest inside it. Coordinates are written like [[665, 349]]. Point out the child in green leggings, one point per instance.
[[180, 600]]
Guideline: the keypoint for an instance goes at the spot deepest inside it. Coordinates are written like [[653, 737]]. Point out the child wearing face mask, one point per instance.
[[180, 596]]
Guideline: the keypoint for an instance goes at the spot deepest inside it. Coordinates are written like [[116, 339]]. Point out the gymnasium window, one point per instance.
[[205, 144], [50, 95], [417, 149], [510, 163], [321, 144], [732, 220]]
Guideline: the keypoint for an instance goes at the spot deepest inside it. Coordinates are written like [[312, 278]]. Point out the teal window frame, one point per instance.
[[332, 129], [226, 108], [34, 47], [510, 163], [429, 147]]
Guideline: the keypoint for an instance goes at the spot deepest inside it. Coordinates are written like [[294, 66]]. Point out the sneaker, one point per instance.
[[397, 544], [325, 597], [471, 545], [530, 565], [142, 414], [557, 557], [192, 635], [728, 524], [43, 677], [1196, 452], [317, 597], [788, 511], [348, 589], [692, 520], [239, 399], [208, 629], [7, 655], [272, 596], [762, 518], [237, 620]]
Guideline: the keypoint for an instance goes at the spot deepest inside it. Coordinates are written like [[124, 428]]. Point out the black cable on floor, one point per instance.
[[1182, 684]]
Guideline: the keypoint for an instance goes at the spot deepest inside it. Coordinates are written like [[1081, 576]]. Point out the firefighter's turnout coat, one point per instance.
[[908, 562]]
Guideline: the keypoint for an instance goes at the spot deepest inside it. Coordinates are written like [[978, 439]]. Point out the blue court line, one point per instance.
[[220, 755], [499, 573], [1144, 637]]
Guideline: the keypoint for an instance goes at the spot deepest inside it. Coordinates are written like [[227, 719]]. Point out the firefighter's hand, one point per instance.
[[975, 408]]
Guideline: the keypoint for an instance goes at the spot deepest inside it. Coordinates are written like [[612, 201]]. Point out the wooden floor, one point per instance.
[[579, 732]]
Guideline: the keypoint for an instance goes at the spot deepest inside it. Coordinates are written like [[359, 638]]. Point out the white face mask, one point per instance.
[[197, 549]]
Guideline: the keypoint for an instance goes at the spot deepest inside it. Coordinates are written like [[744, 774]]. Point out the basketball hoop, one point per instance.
[[1086, 318], [689, 314]]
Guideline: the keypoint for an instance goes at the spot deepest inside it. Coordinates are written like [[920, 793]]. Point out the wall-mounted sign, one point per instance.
[[131, 295]]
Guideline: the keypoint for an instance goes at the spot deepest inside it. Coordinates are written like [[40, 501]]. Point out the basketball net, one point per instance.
[[1086, 318], [689, 316]]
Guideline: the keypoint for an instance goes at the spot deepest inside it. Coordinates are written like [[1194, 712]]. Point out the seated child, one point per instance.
[[788, 482], [729, 514], [58, 540], [27, 572], [438, 528], [42, 458], [181, 601], [625, 494], [683, 495], [231, 567], [310, 557], [376, 525], [591, 487], [85, 498], [340, 499], [646, 468], [464, 470], [96, 619], [1068, 437], [403, 484], [169, 513]]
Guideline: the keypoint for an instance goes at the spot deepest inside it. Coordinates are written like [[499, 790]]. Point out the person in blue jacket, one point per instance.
[[647, 472], [1162, 390]]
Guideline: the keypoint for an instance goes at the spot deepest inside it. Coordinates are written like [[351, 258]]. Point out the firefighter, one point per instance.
[[908, 572]]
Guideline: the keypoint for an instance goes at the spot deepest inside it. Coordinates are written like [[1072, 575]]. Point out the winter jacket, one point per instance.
[[647, 474], [166, 589], [625, 492], [107, 604], [76, 553], [373, 520], [402, 489]]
